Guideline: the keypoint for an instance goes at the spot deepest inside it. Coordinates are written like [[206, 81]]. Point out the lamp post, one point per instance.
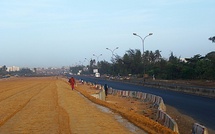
[[97, 57], [81, 63], [143, 39], [87, 60], [112, 51]]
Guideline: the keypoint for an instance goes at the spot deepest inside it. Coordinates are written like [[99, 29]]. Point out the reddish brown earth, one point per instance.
[[48, 105]]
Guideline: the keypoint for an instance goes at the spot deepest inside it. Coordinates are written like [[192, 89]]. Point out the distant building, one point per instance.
[[183, 60], [13, 69]]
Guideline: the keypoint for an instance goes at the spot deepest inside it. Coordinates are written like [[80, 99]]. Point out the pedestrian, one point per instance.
[[106, 89], [72, 82]]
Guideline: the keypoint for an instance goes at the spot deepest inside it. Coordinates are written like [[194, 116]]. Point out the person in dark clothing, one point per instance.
[[106, 89]]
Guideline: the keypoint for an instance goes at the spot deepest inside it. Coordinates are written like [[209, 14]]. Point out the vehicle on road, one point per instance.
[[97, 75]]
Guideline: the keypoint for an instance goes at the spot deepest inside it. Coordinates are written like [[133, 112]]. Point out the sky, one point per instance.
[[56, 33]]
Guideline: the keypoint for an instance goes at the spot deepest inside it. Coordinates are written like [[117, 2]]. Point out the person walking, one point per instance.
[[72, 82], [106, 89]]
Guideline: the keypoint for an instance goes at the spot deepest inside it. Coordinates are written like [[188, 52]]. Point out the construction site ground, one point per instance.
[[48, 105]]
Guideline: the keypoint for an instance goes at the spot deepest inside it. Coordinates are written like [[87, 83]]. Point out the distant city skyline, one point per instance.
[[55, 33]]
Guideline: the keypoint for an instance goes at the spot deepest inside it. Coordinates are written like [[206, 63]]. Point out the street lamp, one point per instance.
[[87, 60], [143, 39], [97, 57], [112, 51], [81, 63]]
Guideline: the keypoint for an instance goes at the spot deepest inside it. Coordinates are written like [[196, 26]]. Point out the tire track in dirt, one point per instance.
[[14, 83], [42, 114], [54, 108], [16, 91], [63, 117], [16, 103], [7, 88]]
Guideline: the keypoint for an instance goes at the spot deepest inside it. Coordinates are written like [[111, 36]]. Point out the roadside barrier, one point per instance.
[[147, 124], [132, 94], [102, 95], [183, 88], [199, 129], [139, 95], [162, 117]]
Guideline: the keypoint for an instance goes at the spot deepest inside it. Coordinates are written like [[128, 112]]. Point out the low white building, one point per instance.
[[13, 69]]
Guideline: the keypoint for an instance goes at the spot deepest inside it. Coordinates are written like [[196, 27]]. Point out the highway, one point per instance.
[[200, 108]]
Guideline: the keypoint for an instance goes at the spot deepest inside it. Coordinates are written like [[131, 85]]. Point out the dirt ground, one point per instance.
[[49, 106]]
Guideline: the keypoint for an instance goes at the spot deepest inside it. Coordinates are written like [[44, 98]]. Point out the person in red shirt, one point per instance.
[[72, 82]]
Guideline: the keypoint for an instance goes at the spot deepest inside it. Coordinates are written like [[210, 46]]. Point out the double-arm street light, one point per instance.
[[112, 51], [97, 57], [143, 39]]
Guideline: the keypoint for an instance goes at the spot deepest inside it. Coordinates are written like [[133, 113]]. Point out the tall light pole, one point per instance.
[[97, 57], [81, 63], [143, 39], [87, 60], [112, 51]]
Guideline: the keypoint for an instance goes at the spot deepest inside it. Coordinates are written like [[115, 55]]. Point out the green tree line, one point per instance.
[[134, 63]]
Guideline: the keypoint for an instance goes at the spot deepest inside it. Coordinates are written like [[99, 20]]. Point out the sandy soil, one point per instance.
[[49, 106]]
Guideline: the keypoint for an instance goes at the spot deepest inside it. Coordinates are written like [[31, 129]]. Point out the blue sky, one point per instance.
[[55, 33]]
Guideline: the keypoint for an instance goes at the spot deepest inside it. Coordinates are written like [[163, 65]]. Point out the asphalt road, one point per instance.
[[200, 108]]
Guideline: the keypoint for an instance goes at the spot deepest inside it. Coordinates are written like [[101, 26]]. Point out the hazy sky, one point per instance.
[[55, 33]]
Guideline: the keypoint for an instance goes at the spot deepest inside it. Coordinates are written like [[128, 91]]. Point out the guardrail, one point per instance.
[[162, 117], [204, 91], [199, 129], [190, 89]]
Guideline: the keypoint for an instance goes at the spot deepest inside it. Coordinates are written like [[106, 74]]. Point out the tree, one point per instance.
[[25, 72], [105, 67], [76, 69], [133, 61], [173, 67], [172, 58], [211, 56], [3, 70], [212, 39], [196, 67], [157, 55]]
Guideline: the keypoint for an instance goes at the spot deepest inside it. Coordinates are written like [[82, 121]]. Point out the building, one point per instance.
[[13, 69]]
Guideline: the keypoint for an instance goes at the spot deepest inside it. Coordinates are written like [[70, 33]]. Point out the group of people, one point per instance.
[[72, 83]]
